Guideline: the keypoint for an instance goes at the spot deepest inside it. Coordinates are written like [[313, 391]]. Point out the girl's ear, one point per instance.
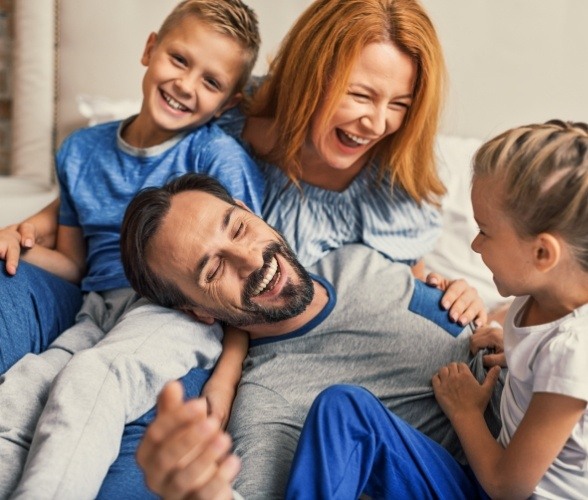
[[547, 252]]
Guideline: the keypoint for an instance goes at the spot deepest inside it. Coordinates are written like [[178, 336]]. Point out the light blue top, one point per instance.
[[99, 174], [315, 220]]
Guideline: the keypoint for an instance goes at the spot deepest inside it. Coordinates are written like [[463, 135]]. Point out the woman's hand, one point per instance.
[[460, 299]]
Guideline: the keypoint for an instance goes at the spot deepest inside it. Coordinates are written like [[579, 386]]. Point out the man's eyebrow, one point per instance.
[[205, 258]]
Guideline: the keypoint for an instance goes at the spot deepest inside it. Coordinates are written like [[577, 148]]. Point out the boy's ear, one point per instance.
[[231, 103], [198, 315], [546, 252], [149, 45]]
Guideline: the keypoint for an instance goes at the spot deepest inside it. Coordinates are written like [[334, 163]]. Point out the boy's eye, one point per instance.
[[213, 83], [179, 59]]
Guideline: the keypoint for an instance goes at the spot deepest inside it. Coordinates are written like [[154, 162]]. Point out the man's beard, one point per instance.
[[296, 297]]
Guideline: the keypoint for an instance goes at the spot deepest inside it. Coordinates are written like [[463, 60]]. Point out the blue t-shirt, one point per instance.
[[99, 174]]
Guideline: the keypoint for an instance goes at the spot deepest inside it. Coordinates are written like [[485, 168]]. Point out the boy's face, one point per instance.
[[191, 77]]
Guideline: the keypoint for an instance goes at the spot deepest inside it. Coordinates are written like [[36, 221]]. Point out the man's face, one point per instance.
[[228, 261]]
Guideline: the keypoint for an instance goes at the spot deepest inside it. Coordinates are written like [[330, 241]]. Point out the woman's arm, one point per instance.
[[542, 433], [221, 388]]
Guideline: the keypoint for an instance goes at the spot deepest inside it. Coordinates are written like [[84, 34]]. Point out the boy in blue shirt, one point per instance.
[[124, 348]]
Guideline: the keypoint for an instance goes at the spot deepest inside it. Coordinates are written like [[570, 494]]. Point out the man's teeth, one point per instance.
[[357, 139], [173, 103], [270, 273]]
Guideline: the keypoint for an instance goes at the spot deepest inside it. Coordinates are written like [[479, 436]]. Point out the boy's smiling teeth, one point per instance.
[[356, 138], [173, 103], [270, 274]]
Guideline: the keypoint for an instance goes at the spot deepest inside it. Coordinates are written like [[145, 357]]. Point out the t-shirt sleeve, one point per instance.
[[67, 213], [236, 170], [560, 367]]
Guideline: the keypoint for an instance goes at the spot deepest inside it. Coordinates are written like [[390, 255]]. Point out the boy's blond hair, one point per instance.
[[543, 173], [229, 17]]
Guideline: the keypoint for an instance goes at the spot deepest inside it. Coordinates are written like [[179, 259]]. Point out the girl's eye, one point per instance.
[[401, 105], [358, 96]]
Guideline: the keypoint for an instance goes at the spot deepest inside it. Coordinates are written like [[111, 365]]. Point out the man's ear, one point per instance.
[[546, 252], [198, 315], [231, 103], [149, 45], [242, 205]]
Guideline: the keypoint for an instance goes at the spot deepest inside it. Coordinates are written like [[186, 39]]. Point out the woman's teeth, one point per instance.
[[355, 138], [272, 268]]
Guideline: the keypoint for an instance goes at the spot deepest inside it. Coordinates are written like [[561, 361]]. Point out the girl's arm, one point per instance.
[[514, 471], [221, 387], [68, 260]]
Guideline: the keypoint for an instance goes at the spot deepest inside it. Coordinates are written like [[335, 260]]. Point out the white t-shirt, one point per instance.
[[549, 358]]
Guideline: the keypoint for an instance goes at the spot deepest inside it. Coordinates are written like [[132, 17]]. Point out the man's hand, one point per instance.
[[184, 453], [460, 299], [489, 337]]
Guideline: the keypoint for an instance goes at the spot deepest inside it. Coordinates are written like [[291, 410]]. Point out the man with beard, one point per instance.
[[356, 318]]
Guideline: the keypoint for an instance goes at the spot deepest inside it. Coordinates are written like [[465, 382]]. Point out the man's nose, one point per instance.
[[248, 257]]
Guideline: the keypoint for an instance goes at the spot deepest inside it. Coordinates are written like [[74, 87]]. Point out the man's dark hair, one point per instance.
[[142, 220]]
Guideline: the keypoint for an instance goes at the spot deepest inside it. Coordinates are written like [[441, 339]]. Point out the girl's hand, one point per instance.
[[458, 392], [489, 337], [460, 299]]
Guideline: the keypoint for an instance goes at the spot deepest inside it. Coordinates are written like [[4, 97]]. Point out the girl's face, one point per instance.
[[379, 93], [504, 252]]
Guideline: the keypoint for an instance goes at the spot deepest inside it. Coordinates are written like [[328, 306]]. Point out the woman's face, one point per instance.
[[379, 93]]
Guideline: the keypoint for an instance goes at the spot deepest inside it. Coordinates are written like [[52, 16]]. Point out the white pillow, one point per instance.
[[453, 256], [99, 109]]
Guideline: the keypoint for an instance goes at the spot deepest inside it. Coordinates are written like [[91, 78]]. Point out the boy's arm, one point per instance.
[[542, 433], [68, 260], [220, 389], [40, 229]]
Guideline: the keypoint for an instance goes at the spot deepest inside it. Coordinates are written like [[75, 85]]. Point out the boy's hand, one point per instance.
[[11, 243], [219, 398], [184, 453], [489, 337], [458, 392], [460, 299]]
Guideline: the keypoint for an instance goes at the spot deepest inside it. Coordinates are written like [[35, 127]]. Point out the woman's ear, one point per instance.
[[546, 252]]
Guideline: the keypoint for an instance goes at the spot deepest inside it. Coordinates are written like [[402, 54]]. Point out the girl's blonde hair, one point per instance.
[[228, 17], [312, 68], [543, 170]]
